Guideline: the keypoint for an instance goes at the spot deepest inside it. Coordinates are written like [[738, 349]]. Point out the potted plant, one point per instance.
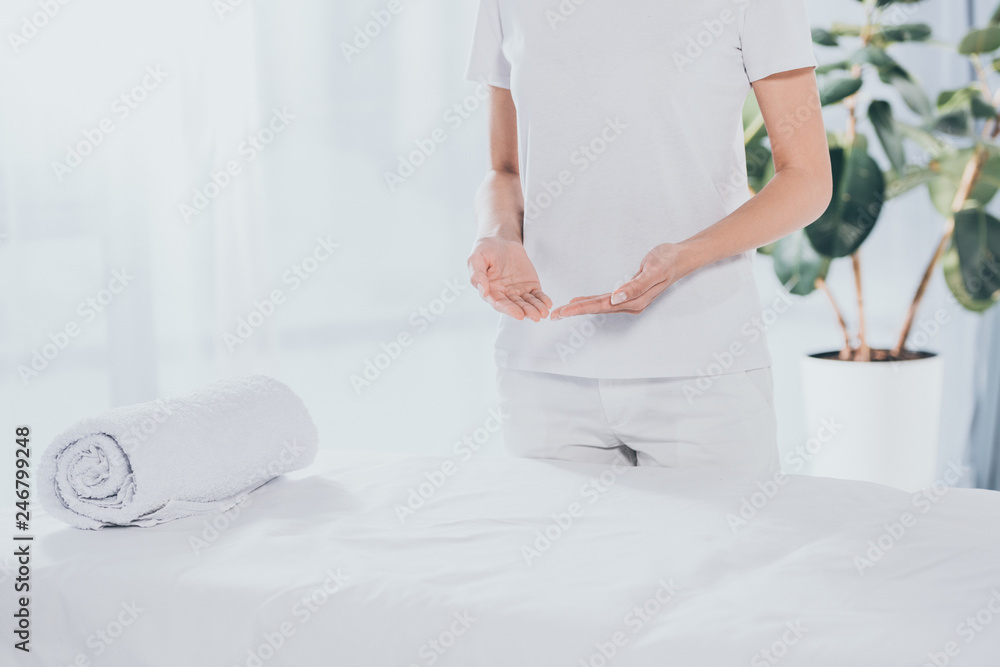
[[888, 400]]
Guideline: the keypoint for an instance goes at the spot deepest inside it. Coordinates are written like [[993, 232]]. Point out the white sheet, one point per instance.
[[786, 582]]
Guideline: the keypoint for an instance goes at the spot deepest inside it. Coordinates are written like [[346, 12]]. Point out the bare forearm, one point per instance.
[[499, 206], [793, 199]]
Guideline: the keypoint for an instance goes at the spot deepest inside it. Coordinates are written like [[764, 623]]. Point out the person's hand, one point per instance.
[[503, 274], [659, 269]]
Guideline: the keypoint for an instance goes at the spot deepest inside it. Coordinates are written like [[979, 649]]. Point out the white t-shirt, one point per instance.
[[630, 135]]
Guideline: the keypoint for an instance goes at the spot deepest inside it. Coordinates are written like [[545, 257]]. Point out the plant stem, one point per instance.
[[984, 81], [852, 103], [864, 353], [971, 175], [911, 312], [973, 170], [846, 353]]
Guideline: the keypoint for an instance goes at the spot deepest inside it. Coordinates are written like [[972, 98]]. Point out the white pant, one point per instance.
[[723, 422]]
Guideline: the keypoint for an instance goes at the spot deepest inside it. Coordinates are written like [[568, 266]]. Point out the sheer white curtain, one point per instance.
[[226, 81], [177, 89]]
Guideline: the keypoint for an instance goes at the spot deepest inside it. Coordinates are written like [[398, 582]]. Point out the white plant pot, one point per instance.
[[877, 421]]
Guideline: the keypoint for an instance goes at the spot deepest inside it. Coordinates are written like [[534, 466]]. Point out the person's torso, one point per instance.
[[630, 135]]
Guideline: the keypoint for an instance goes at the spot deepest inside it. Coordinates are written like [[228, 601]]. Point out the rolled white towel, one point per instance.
[[140, 465]]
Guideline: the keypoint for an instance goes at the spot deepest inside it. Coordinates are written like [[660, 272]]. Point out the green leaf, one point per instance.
[[950, 169], [949, 100], [942, 195], [768, 173], [908, 32], [832, 67], [845, 30], [760, 166], [872, 55], [797, 264], [911, 92], [753, 121], [898, 184], [824, 37], [859, 194], [969, 98], [838, 89], [934, 146], [988, 185], [981, 108], [986, 40], [952, 266], [956, 123], [880, 115], [977, 242]]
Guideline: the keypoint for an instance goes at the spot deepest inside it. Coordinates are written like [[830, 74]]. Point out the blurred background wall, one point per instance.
[[244, 178]]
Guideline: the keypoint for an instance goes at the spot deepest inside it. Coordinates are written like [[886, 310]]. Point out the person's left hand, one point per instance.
[[659, 269]]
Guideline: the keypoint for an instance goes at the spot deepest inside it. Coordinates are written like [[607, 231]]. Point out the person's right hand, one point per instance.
[[503, 274]]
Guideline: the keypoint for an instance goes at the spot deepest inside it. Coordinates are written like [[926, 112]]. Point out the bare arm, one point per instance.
[[797, 195], [802, 185], [498, 265], [499, 201]]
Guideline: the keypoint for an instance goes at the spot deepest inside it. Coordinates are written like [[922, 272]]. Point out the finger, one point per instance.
[[539, 305], [603, 305], [585, 298], [584, 306], [643, 281], [481, 283], [543, 297], [505, 306], [478, 267], [529, 310]]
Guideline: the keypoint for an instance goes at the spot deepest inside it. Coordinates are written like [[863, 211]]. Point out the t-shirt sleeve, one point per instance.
[[486, 60], [776, 37]]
